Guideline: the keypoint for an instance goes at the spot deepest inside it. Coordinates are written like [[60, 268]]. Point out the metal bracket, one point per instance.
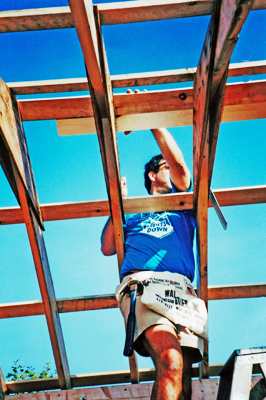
[[217, 209]]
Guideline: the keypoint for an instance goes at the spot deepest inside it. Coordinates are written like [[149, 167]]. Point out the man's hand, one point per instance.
[[130, 92]]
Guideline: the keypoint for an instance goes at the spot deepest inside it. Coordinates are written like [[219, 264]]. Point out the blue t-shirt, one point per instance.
[[160, 241]]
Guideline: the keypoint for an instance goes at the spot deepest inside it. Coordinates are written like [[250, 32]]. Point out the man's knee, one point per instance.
[[170, 363]]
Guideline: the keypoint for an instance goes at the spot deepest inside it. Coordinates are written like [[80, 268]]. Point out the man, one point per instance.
[[173, 348]]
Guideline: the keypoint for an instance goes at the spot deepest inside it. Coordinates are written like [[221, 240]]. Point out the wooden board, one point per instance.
[[65, 211], [209, 85], [242, 102], [111, 13], [201, 100], [201, 389], [127, 80], [88, 29], [30, 308], [14, 154], [35, 19], [141, 11], [167, 119], [47, 291], [3, 387]]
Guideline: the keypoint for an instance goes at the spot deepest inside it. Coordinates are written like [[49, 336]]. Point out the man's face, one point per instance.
[[162, 178]]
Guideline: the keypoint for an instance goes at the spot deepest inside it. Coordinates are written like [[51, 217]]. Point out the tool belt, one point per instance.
[[171, 295]]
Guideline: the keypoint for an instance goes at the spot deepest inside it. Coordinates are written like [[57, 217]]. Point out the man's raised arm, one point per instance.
[[179, 171]]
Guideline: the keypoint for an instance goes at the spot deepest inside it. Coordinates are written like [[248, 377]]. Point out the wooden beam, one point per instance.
[[233, 15], [201, 102], [14, 155], [206, 388], [65, 211], [88, 28], [129, 80], [220, 41], [47, 290], [46, 109], [3, 387], [30, 308], [49, 86], [202, 95], [111, 13], [182, 75], [236, 291], [202, 244], [214, 119], [91, 43], [209, 88], [15, 160], [243, 101], [140, 11], [35, 19], [101, 302]]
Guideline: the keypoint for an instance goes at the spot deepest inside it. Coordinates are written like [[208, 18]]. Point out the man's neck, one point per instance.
[[156, 191]]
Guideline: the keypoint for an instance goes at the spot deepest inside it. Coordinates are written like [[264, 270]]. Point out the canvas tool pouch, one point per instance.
[[171, 295]]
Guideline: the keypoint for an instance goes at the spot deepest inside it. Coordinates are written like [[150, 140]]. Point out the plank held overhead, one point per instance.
[[242, 101]]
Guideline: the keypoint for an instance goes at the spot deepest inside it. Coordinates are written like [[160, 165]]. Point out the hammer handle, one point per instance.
[[131, 319]]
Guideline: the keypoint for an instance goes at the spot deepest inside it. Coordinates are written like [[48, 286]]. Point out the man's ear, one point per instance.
[[151, 175]]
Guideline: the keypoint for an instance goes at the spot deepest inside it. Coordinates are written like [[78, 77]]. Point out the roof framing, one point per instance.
[[211, 101], [110, 14]]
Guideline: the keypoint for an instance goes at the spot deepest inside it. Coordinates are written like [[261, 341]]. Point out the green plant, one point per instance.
[[20, 372]]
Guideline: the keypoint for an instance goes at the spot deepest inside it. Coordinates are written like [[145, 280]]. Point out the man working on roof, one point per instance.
[[172, 347]]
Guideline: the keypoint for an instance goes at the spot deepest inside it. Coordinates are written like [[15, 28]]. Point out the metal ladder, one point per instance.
[[236, 374]]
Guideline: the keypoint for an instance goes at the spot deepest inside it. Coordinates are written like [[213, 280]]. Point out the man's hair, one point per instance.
[[152, 165]]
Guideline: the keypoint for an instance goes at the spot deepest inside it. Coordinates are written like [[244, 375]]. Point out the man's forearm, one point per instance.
[[170, 150]]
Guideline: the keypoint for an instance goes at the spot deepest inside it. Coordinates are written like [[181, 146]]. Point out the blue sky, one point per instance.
[[69, 169]]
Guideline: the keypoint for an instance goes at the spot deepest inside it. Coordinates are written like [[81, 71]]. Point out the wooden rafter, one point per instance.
[[3, 386], [89, 32], [14, 155], [242, 101], [16, 164], [30, 308], [209, 88], [221, 38], [129, 80], [110, 13], [100, 208], [102, 111], [35, 19], [140, 11]]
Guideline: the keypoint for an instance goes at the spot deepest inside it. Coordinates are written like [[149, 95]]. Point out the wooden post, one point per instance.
[[3, 387], [16, 164], [89, 32]]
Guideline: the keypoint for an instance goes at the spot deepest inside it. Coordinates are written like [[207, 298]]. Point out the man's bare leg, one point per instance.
[[162, 344]]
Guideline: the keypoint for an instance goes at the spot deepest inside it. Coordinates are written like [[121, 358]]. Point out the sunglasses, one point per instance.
[[164, 165]]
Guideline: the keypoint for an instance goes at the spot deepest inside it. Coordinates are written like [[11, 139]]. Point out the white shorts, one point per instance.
[[145, 318]]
